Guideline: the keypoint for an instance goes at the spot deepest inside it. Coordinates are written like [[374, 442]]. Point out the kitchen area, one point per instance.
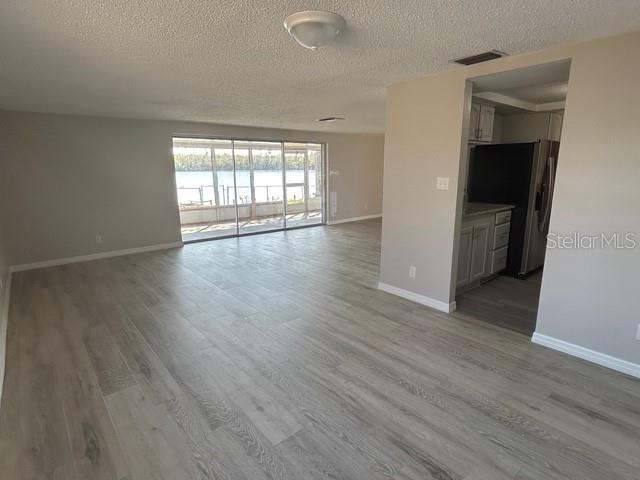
[[513, 144]]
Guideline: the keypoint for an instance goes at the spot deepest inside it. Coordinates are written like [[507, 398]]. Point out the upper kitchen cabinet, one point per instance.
[[474, 118], [555, 125], [481, 123], [531, 127], [486, 123]]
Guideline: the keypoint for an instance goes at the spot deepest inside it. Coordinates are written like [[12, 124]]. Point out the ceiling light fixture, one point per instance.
[[313, 28], [330, 119]]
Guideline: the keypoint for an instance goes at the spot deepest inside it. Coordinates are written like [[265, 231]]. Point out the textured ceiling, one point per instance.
[[232, 61]]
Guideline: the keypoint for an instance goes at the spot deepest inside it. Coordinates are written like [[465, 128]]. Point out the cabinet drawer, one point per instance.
[[503, 217], [499, 260], [501, 236]]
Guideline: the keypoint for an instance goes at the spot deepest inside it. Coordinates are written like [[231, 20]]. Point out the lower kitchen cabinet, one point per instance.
[[483, 247], [480, 250], [464, 256], [498, 260]]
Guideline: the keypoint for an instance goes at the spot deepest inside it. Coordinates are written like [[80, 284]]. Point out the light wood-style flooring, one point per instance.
[[275, 357]]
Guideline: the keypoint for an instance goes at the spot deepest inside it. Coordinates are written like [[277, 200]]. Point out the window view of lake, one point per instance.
[[232, 187], [268, 186]]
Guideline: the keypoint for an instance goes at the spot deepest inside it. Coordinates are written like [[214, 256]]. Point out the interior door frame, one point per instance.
[[324, 176]]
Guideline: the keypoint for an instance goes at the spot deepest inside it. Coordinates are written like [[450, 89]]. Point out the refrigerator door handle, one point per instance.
[[548, 189]]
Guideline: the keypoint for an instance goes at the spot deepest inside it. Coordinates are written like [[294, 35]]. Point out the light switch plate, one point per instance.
[[442, 183]]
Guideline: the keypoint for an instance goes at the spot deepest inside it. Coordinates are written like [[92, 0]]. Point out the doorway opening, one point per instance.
[[233, 187], [513, 139]]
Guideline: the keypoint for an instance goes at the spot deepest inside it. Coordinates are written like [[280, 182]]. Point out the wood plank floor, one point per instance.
[[275, 357], [505, 301]]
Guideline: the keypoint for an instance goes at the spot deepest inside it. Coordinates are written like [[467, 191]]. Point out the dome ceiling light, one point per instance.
[[313, 28]]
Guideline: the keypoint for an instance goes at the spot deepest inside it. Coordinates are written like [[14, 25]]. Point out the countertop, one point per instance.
[[477, 209]]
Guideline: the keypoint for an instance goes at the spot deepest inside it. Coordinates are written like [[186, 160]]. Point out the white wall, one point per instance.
[[74, 177], [587, 297]]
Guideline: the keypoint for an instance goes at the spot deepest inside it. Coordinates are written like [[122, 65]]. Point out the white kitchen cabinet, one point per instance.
[[501, 235], [499, 260], [464, 255], [531, 127], [474, 119], [481, 123], [480, 250], [555, 126], [483, 247], [485, 124]]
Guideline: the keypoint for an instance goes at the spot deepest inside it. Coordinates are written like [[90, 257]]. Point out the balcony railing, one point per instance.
[[263, 194]]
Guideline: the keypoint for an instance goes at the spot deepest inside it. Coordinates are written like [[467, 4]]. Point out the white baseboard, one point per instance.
[[416, 297], [4, 320], [603, 359], [353, 219], [94, 256]]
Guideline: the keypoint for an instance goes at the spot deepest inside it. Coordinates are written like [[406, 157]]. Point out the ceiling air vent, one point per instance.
[[330, 119], [479, 58]]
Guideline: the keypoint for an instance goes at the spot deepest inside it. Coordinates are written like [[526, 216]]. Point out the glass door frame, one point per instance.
[[252, 185], [324, 176], [305, 185], [235, 188]]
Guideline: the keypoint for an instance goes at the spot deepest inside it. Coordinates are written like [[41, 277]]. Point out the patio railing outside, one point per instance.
[[263, 194]]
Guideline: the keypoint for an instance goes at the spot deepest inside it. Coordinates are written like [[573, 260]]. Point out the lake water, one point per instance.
[[268, 186]]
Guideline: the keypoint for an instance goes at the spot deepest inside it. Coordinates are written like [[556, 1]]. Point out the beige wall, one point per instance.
[[4, 272], [4, 262], [352, 155], [587, 296], [422, 142], [590, 297], [4, 254], [74, 177]]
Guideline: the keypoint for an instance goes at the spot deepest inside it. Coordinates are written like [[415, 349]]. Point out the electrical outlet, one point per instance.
[[366, 206], [98, 238], [412, 271], [638, 333]]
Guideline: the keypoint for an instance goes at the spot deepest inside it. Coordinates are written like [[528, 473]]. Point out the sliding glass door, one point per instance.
[[205, 187], [304, 182], [235, 187], [259, 174]]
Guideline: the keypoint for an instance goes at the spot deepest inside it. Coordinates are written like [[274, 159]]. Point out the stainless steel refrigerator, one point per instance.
[[523, 175]]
